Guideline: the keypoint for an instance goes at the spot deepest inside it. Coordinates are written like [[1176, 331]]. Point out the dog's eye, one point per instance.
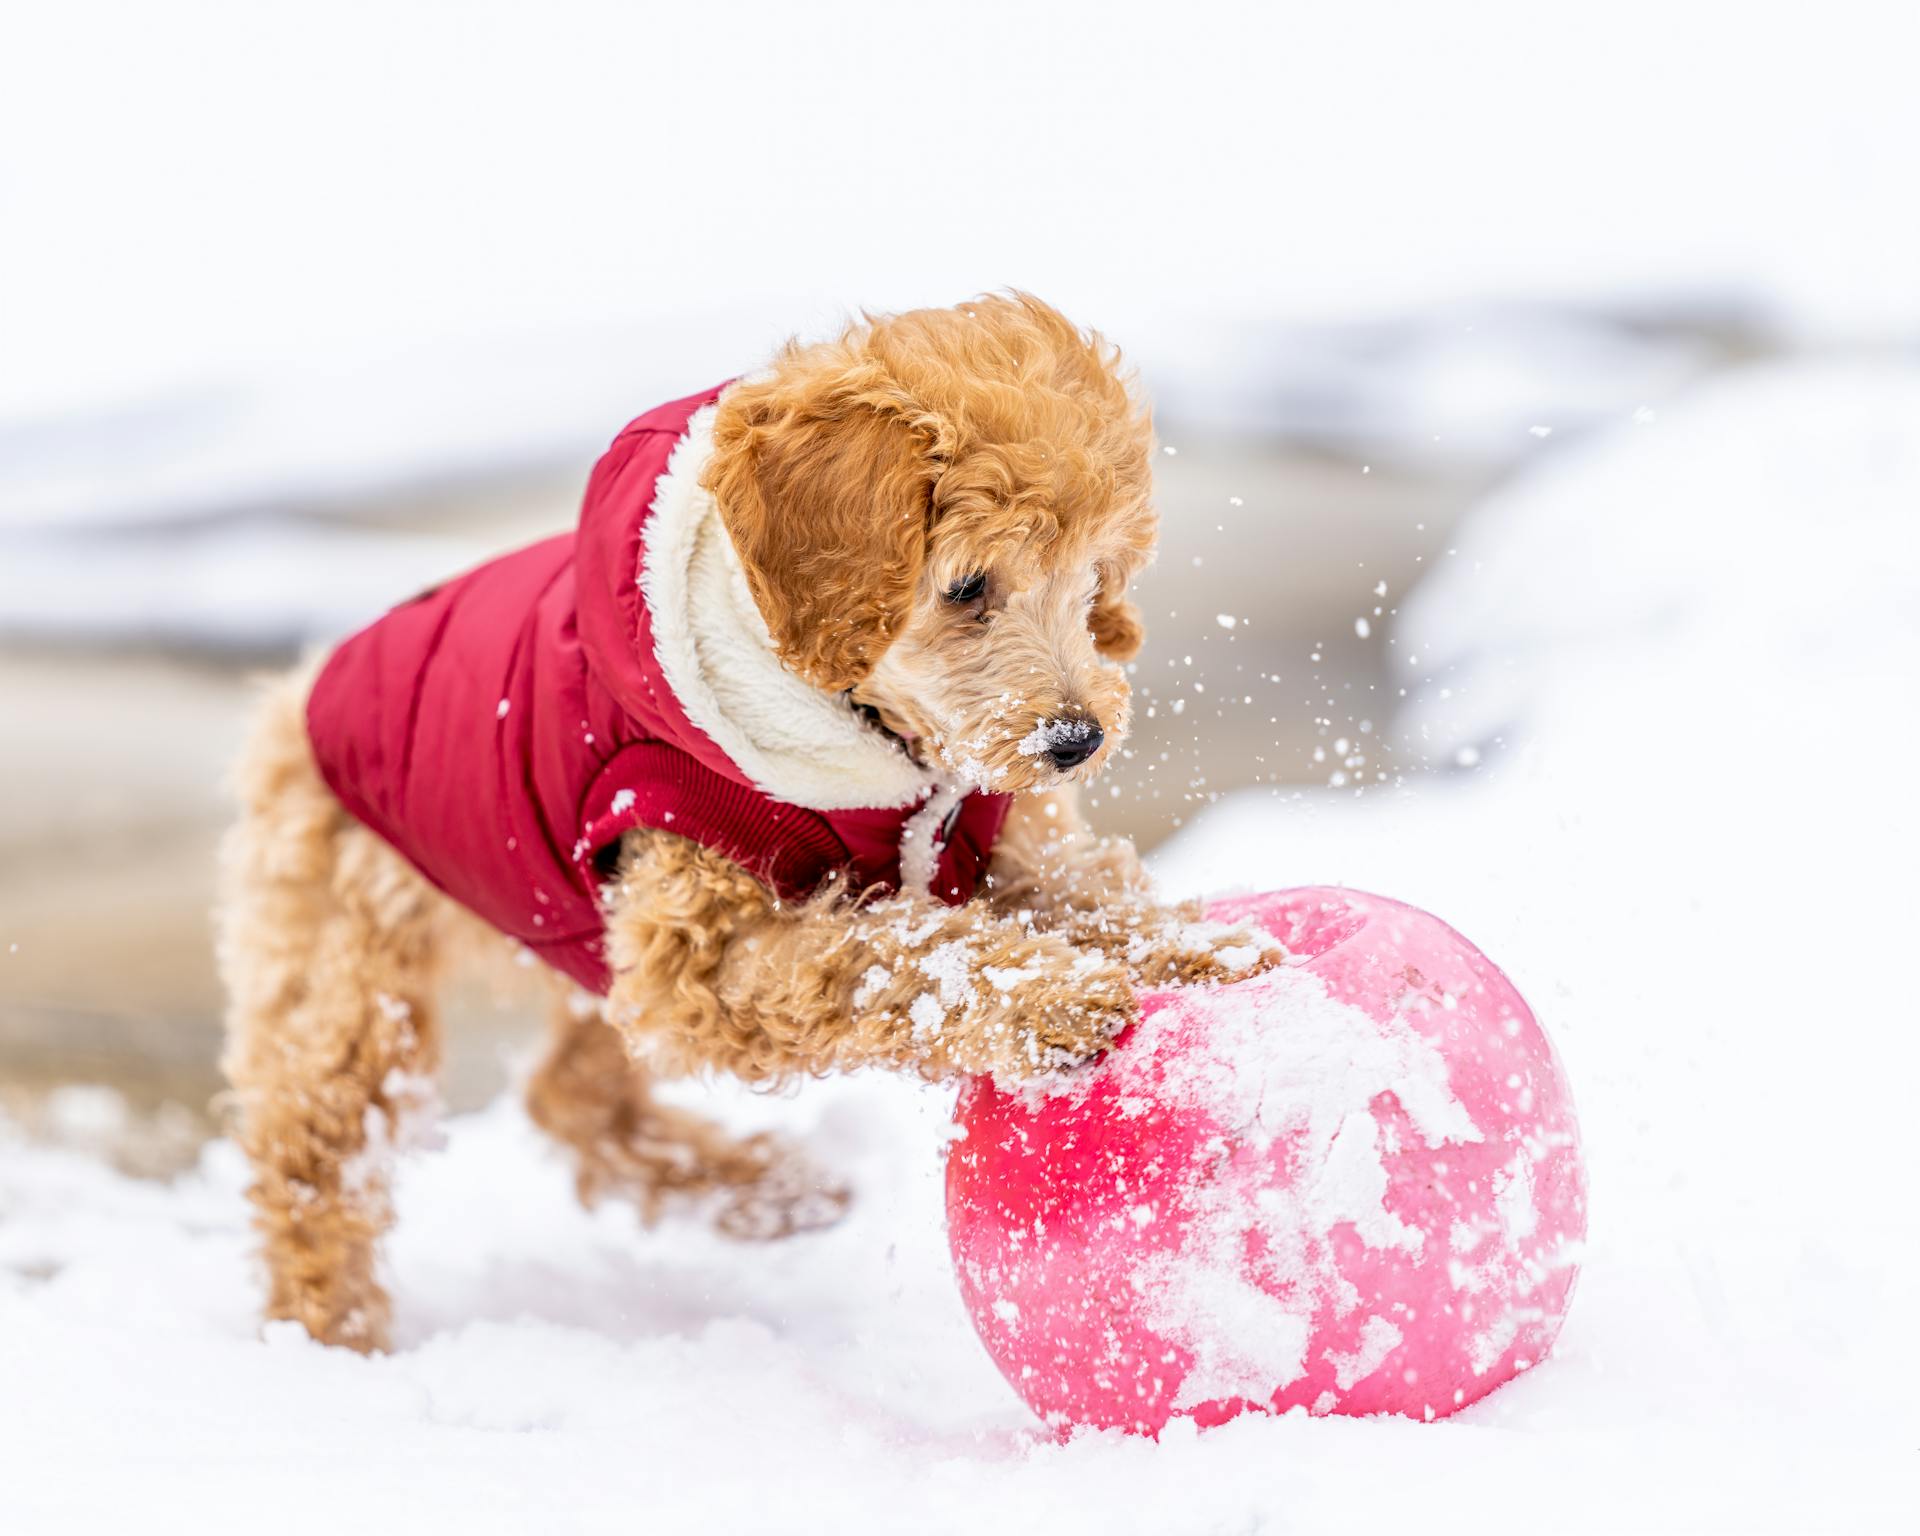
[[967, 588]]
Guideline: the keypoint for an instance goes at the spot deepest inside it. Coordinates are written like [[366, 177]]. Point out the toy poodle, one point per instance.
[[772, 764]]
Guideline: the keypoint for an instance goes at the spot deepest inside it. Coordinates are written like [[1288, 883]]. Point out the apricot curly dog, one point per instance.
[[773, 761]]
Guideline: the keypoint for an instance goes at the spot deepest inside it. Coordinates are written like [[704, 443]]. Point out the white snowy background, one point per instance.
[[260, 263]]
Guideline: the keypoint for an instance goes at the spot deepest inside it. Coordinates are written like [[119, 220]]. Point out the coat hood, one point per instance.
[[669, 624]]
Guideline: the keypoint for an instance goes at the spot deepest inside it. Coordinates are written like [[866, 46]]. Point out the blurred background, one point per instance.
[[304, 306]]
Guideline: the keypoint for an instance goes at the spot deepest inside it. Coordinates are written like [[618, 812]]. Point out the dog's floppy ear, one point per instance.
[[824, 479], [1116, 624]]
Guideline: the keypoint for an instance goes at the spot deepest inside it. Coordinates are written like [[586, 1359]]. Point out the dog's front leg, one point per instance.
[[712, 971], [1050, 871]]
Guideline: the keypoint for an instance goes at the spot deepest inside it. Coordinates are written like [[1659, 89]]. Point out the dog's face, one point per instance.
[[940, 513], [998, 672]]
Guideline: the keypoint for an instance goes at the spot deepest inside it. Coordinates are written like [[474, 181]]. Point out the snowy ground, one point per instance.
[[1668, 680]]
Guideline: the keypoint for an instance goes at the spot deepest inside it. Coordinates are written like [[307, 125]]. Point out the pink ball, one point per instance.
[[1351, 1185]]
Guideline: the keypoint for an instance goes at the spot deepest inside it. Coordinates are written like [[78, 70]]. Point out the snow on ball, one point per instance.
[[1350, 1185]]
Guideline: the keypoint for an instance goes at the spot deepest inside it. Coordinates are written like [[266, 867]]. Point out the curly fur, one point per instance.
[[862, 477], [859, 480]]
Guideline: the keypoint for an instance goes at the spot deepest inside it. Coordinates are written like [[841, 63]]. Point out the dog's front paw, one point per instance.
[[1180, 946], [1063, 1017]]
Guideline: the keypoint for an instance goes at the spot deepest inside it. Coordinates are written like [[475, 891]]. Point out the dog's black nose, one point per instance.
[[1070, 742]]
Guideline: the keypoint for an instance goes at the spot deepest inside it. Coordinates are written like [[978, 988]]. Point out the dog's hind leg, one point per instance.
[[591, 1097], [329, 947]]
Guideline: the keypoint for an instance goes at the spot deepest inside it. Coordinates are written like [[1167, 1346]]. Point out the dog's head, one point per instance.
[[940, 512]]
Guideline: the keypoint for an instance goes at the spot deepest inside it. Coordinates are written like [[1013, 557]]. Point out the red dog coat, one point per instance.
[[504, 729]]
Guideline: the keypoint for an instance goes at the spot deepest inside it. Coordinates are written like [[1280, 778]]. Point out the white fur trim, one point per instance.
[[792, 740], [920, 839]]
